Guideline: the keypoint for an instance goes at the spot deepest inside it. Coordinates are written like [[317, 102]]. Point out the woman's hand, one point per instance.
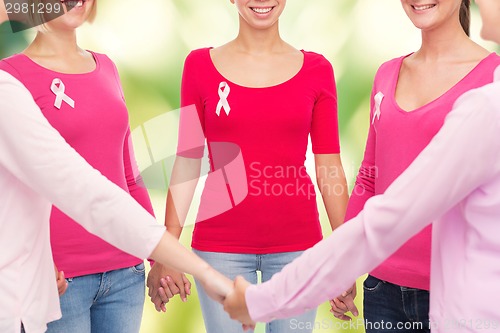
[[344, 303], [163, 283], [235, 304], [62, 284]]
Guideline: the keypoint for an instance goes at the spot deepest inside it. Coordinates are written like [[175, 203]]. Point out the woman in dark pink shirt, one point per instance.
[[410, 99], [80, 94], [257, 101]]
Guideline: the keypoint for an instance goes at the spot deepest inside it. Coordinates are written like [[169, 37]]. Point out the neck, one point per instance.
[[443, 42], [258, 41], [55, 43]]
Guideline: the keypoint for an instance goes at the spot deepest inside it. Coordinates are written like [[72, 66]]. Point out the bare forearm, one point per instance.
[[170, 252], [332, 185], [335, 203], [185, 176]]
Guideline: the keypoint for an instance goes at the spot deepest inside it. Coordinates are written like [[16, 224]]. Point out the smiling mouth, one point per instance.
[[423, 7], [73, 3], [262, 10]]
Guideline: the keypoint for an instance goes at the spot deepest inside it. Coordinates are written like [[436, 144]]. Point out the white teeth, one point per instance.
[[423, 7], [262, 10], [79, 3]]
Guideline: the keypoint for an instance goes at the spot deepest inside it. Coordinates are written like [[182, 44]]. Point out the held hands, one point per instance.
[[344, 303], [235, 303], [163, 283]]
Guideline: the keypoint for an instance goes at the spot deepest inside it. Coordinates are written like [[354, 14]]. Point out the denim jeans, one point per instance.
[[247, 265], [392, 308], [110, 302]]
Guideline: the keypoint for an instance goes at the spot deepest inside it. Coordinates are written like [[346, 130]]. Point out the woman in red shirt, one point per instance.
[[257, 101]]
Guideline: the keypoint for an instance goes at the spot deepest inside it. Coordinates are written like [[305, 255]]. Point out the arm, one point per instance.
[[174, 282], [364, 186], [332, 185], [329, 171], [364, 189], [164, 282], [135, 186], [36, 154], [462, 156]]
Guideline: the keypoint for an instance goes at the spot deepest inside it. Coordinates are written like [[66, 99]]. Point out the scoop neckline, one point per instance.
[[437, 99], [93, 72], [292, 78]]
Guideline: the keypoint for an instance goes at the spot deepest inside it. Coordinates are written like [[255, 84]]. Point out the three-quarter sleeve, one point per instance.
[[324, 125], [191, 140]]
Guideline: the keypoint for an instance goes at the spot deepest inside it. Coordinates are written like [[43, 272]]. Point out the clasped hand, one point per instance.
[[164, 283]]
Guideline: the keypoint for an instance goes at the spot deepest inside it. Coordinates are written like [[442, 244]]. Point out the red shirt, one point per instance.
[[271, 127], [97, 127]]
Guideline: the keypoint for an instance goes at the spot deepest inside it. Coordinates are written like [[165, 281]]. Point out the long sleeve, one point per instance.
[[35, 153], [462, 156], [135, 185], [364, 186]]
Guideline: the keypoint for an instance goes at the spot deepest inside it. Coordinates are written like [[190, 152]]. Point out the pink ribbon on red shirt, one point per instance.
[[224, 90]]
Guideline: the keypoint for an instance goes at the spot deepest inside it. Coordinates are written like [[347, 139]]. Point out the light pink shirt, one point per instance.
[[37, 168], [395, 139], [456, 182]]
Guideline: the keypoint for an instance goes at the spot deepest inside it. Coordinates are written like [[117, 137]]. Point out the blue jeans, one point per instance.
[[392, 308], [110, 302], [247, 265]]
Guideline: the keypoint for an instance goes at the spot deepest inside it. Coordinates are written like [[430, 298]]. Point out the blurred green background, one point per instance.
[[149, 41]]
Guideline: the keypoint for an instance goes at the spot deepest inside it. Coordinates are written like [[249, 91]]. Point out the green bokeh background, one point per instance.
[[149, 41]]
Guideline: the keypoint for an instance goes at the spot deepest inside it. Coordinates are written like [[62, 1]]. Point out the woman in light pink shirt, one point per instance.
[[456, 182], [411, 96], [80, 94]]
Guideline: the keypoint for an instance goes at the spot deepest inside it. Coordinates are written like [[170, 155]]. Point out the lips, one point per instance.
[[420, 8], [262, 10]]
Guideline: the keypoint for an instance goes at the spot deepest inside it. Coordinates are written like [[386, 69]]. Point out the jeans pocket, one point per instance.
[[139, 269], [372, 283]]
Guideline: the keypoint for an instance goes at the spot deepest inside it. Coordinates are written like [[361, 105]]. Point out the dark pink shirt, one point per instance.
[[97, 127], [271, 127], [395, 139]]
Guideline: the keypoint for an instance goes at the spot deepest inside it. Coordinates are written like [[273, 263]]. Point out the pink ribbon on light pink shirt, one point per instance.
[[58, 88], [378, 101]]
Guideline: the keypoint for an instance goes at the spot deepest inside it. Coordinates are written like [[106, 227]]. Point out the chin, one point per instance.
[[493, 36]]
